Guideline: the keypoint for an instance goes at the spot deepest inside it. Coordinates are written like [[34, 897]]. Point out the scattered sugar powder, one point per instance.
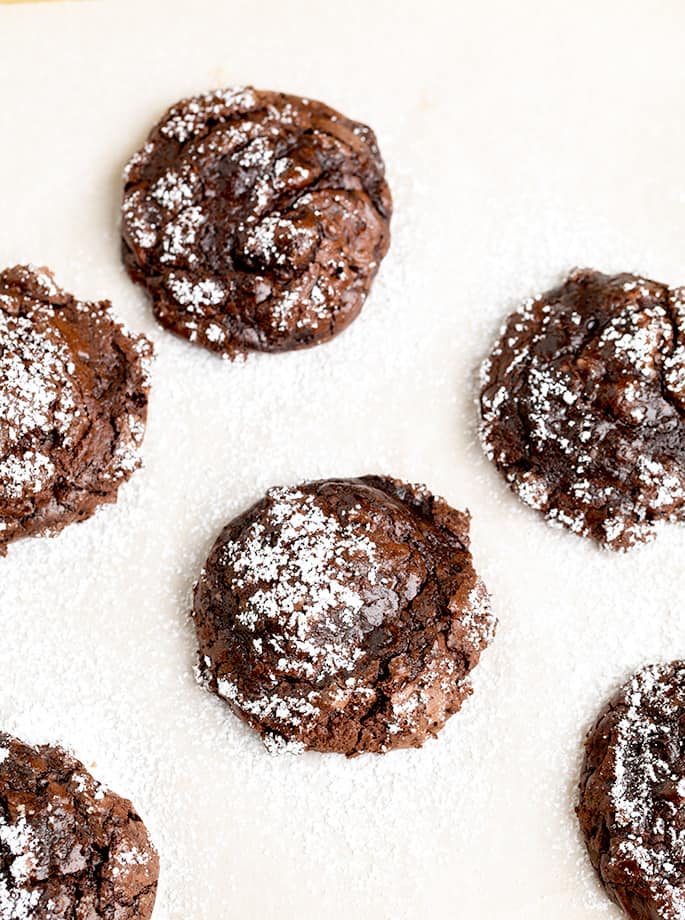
[[37, 402], [639, 333], [285, 253], [277, 745], [641, 337], [102, 608], [297, 566], [292, 712], [20, 842], [180, 235], [142, 226], [194, 295], [649, 727], [175, 188], [96, 653], [183, 123], [127, 859], [132, 857], [477, 619]]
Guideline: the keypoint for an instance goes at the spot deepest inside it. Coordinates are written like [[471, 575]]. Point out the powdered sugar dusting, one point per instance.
[[46, 376], [292, 712], [38, 401], [281, 207], [184, 120], [307, 599], [647, 793], [195, 295], [58, 852], [549, 373], [477, 619], [299, 582], [19, 840], [498, 188], [127, 859]]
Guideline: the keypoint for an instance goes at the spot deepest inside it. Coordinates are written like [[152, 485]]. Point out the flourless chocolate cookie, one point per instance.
[[343, 615], [632, 794], [73, 405], [256, 221], [69, 848], [582, 406]]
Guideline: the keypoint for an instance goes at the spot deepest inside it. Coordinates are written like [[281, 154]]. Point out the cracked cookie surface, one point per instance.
[[256, 221], [70, 849], [583, 402], [343, 615], [632, 794], [73, 405]]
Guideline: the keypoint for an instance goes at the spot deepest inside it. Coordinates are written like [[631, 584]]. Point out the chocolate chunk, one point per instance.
[[343, 615], [73, 405], [582, 404], [69, 848], [632, 794], [256, 221]]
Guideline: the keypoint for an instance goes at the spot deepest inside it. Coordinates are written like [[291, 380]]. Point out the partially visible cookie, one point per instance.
[[73, 405], [632, 794], [69, 848], [256, 221], [343, 615], [583, 406]]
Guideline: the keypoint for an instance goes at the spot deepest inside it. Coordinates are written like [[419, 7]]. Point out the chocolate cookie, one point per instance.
[[632, 794], [256, 221], [69, 848], [73, 405], [582, 404], [343, 615]]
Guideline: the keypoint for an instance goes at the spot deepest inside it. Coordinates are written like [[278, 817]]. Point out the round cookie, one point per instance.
[[73, 405], [582, 406], [256, 221], [343, 615], [69, 848], [632, 794]]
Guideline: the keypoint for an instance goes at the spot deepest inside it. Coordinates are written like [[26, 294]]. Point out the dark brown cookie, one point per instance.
[[582, 406], [256, 221], [343, 615], [69, 848], [632, 794], [73, 405]]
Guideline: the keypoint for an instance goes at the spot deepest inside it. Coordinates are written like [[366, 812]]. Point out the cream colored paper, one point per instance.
[[521, 140]]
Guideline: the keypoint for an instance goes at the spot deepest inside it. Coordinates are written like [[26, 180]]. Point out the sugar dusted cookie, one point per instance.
[[343, 615], [256, 221], [73, 405], [632, 794], [583, 403], [70, 849]]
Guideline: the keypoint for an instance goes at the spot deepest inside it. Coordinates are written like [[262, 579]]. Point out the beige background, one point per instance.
[[521, 139]]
